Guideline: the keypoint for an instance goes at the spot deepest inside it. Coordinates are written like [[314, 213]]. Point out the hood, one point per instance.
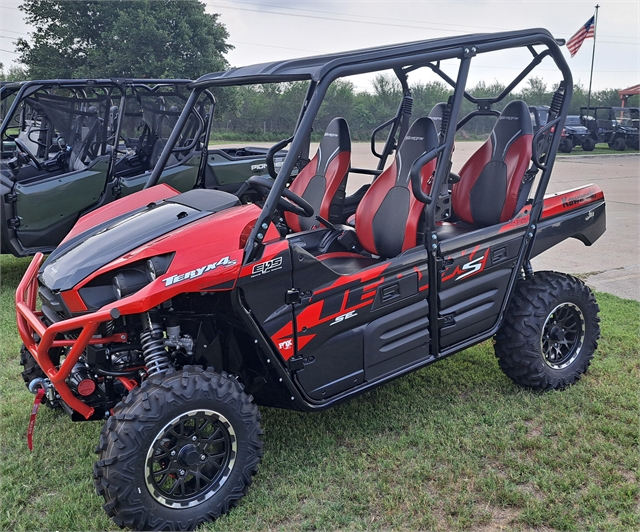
[[87, 252], [576, 130]]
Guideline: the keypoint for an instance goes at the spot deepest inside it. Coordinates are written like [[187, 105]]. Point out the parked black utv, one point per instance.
[[573, 134], [617, 126]]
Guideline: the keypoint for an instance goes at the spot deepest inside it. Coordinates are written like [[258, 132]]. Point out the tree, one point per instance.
[[13, 73], [122, 38]]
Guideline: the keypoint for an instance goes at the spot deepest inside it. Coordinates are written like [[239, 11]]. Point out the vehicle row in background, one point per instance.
[[72, 146], [617, 126]]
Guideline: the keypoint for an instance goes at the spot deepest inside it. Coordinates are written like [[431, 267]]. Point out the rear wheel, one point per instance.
[[550, 333], [178, 451], [588, 144]]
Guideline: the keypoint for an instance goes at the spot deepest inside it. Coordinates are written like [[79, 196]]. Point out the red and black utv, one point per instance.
[[174, 315]]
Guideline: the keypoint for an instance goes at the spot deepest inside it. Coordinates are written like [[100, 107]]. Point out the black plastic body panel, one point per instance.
[[587, 224], [396, 340]]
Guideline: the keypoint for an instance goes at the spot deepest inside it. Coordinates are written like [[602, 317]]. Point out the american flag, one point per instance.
[[586, 31]]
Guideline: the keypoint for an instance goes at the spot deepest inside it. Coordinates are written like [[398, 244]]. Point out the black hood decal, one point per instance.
[[86, 253]]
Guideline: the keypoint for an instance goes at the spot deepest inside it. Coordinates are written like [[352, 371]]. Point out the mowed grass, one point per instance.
[[455, 446]]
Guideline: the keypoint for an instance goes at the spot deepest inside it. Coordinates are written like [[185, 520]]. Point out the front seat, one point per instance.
[[322, 182], [490, 181]]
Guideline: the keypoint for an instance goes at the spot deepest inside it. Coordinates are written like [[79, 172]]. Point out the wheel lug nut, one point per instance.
[[203, 457], [173, 453], [194, 438], [182, 472]]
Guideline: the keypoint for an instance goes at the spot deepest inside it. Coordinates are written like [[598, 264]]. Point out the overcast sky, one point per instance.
[[269, 30]]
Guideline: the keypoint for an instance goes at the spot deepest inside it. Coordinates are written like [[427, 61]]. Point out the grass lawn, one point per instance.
[[455, 446]]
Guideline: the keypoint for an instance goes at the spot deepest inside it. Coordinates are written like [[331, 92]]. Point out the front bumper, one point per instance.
[[39, 338]]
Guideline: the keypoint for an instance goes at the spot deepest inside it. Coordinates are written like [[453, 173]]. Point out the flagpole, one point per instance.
[[593, 56]]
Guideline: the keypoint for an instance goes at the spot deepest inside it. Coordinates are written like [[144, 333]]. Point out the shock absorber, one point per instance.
[[156, 358], [446, 116], [556, 101]]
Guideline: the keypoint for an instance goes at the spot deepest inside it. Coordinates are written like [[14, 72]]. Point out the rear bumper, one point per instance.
[[75, 333]]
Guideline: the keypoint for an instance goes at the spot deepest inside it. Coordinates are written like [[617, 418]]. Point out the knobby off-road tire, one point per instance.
[[178, 451], [566, 145], [550, 332], [619, 144]]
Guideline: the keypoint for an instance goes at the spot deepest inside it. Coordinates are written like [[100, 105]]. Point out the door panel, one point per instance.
[[474, 284], [359, 325], [182, 177], [396, 340], [46, 207]]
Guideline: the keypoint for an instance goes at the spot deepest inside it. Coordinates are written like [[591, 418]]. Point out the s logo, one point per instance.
[[474, 266]]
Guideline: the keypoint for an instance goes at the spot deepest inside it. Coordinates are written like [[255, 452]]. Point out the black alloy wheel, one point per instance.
[[179, 450], [191, 458], [550, 332]]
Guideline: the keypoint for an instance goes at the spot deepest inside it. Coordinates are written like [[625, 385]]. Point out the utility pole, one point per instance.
[[593, 56]]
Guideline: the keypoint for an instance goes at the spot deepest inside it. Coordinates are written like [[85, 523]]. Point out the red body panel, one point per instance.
[[570, 199]]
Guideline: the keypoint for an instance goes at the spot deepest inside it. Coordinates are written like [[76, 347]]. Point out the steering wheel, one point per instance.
[[25, 150], [293, 203]]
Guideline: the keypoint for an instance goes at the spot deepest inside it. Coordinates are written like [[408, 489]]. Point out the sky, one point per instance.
[[270, 30]]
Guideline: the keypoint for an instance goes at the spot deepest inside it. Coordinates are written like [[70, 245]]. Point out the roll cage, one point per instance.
[[403, 59]]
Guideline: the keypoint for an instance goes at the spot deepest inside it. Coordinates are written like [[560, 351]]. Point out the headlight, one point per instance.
[[125, 281], [157, 266]]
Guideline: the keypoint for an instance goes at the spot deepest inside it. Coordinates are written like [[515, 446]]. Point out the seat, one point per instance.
[[492, 178], [323, 180], [86, 148], [388, 215]]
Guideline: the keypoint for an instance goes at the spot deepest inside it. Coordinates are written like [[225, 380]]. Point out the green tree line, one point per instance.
[[269, 112]]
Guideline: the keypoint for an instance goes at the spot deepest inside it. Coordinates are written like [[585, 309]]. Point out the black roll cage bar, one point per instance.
[[403, 59]]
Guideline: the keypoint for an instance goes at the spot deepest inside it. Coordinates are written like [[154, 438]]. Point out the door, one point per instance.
[[359, 320], [474, 283]]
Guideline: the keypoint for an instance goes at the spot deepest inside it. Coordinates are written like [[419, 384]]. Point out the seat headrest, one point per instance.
[[513, 122], [421, 137], [337, 135], [336, 139]]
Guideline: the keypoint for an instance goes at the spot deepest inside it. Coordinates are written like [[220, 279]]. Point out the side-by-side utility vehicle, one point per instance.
[[175, 315], [71, 146], [617, 126]]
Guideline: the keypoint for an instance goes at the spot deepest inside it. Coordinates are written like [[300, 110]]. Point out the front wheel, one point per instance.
[[588, 144], [179, 450], [619, 144], [550, 332], [566, 145]]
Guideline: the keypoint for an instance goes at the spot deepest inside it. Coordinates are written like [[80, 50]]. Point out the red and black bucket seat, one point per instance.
[[388, 215], [322, 182], [491, 180]]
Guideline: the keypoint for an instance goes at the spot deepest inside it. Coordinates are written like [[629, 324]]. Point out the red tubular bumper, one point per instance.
[[30, 325]]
